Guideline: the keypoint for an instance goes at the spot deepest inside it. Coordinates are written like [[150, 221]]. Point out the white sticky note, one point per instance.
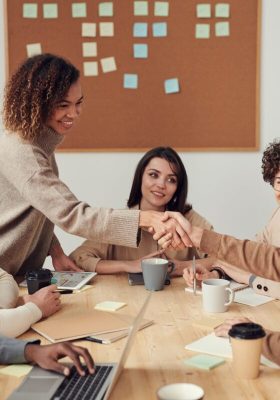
[[222, 10], [30, 10], [161, 8], [108, 64], [90, 68], [89, 49], [222, 29], [106, 29], [141, 8], [88, 29], [79, 10], [203, 11], [105, 9], [33, 49], [109, 305], [50, 11], [202, 31]]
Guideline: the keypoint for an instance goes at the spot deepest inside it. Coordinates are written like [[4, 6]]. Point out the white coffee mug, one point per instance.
[[180, 391], [216, 295]]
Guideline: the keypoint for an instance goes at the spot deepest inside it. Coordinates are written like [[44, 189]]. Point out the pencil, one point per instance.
[[194, 276]]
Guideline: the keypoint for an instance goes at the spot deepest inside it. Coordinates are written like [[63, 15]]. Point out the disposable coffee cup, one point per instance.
[[180, 391], [154, 273], [246, 342]]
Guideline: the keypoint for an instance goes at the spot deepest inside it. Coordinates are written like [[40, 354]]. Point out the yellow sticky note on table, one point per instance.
[[18, 370], [109, 305]]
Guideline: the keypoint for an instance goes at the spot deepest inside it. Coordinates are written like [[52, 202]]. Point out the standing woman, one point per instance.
[[43, 100], [160, 183]]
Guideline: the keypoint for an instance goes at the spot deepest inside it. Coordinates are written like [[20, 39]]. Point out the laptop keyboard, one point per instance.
[[83, 387]]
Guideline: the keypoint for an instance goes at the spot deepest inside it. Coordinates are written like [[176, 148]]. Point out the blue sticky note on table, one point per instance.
[[171, 86], [159, 29], [204, 361], [130, 81], [140, 29], [140, 50]]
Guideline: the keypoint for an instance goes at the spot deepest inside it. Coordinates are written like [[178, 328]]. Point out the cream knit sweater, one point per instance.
[[34, 199]]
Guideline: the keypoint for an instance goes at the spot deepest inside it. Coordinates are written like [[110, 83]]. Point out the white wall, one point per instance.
[[227, 188]]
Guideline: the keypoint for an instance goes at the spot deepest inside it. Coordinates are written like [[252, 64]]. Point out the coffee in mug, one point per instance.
[[246, 342], [216, 295]]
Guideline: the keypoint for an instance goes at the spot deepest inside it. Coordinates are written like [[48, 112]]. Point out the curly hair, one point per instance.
[[33, 92], [271, 161], [179, 199]]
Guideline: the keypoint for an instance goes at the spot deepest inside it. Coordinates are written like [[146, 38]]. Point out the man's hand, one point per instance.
[[47, 299], [60, 261], [222, 330], [47, 357], [202, 273]]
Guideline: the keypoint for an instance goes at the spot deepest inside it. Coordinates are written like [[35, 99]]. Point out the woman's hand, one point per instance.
[[60, 261], [202, 272], [235, 273], [222, 330]]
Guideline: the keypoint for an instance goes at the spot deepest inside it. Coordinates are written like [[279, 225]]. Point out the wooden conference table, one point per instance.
[[158, 352]]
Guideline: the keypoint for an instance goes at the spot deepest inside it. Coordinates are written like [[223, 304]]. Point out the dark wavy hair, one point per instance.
[[179, 199], [33, 92], [271, 161]]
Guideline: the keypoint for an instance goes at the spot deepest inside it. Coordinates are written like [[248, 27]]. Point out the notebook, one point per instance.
[[46, 385], [219, 346]]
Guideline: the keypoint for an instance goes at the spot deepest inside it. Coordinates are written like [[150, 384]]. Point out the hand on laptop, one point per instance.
[[47, 357], [47, 299]]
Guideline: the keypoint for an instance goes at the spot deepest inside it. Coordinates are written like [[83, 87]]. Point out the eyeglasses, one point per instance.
[[276, 184]]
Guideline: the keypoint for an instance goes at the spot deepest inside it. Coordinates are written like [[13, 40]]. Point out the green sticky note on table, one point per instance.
[[204, 361], [30, 10], [109, 305], [18, 370]]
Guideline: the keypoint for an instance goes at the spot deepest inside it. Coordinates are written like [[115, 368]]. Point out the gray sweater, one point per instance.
[[34, 199]]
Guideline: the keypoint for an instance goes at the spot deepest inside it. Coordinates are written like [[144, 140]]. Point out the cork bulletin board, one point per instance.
[[182, 73]]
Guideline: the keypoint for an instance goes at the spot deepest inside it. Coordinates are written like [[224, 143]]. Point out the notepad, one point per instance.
[[204, 361], [109, 305], [207, 322], [17, 370], [221, 347]]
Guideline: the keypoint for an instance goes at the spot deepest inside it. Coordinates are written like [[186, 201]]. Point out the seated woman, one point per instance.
[[15, 321], [160, 183]]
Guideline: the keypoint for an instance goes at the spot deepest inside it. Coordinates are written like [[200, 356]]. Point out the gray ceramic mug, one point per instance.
[[154, 272]]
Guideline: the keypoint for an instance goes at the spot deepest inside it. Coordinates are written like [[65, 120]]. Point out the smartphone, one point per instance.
[[137, 279]]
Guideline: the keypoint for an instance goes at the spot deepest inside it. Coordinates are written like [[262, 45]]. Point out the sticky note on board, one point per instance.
[[159, 29], [202, 31], [130, 81], [171, 86], [140, 29], [203, 10], [18, 370], [204, 361], [222, 10], [33, 49], [140, 50], [50, 11], [161, 8], [141, 8], [222, 29], [109, 306], [105, 9], [30, 10], [106, 29], [79, 10], [108, 64], [89, 49], [90, 68], [88, 29]]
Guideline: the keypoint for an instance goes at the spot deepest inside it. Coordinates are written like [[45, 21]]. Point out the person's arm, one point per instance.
[[8, 290], [12, 350], [15, 321]]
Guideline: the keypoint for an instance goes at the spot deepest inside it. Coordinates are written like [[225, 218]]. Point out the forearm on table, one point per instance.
[[113, 266], [14, 322]]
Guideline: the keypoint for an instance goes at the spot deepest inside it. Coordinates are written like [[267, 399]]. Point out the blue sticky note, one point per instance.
[[159, 29], [140, 29], [204, 361], [79, 10], [130, 81], [171, 86], [140, 50]]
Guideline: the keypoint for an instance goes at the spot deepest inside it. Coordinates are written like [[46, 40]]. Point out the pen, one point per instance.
[[92, 339], [64, 291], [194, 276]]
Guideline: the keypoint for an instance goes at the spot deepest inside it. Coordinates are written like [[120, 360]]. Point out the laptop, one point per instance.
[[46, 385]]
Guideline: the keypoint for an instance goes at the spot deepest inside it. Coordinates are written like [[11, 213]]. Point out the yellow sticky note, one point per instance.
[[33, 49], [108, 64], [90, 69], [106, 29], [89, 49], [16, 370], [88, 29], [109, 305]]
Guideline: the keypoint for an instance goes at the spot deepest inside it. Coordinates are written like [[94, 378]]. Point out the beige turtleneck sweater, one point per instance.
[[34, 199]]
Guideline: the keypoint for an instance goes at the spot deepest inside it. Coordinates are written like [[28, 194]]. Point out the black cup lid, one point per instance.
[[247, 330], [39, 274]]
